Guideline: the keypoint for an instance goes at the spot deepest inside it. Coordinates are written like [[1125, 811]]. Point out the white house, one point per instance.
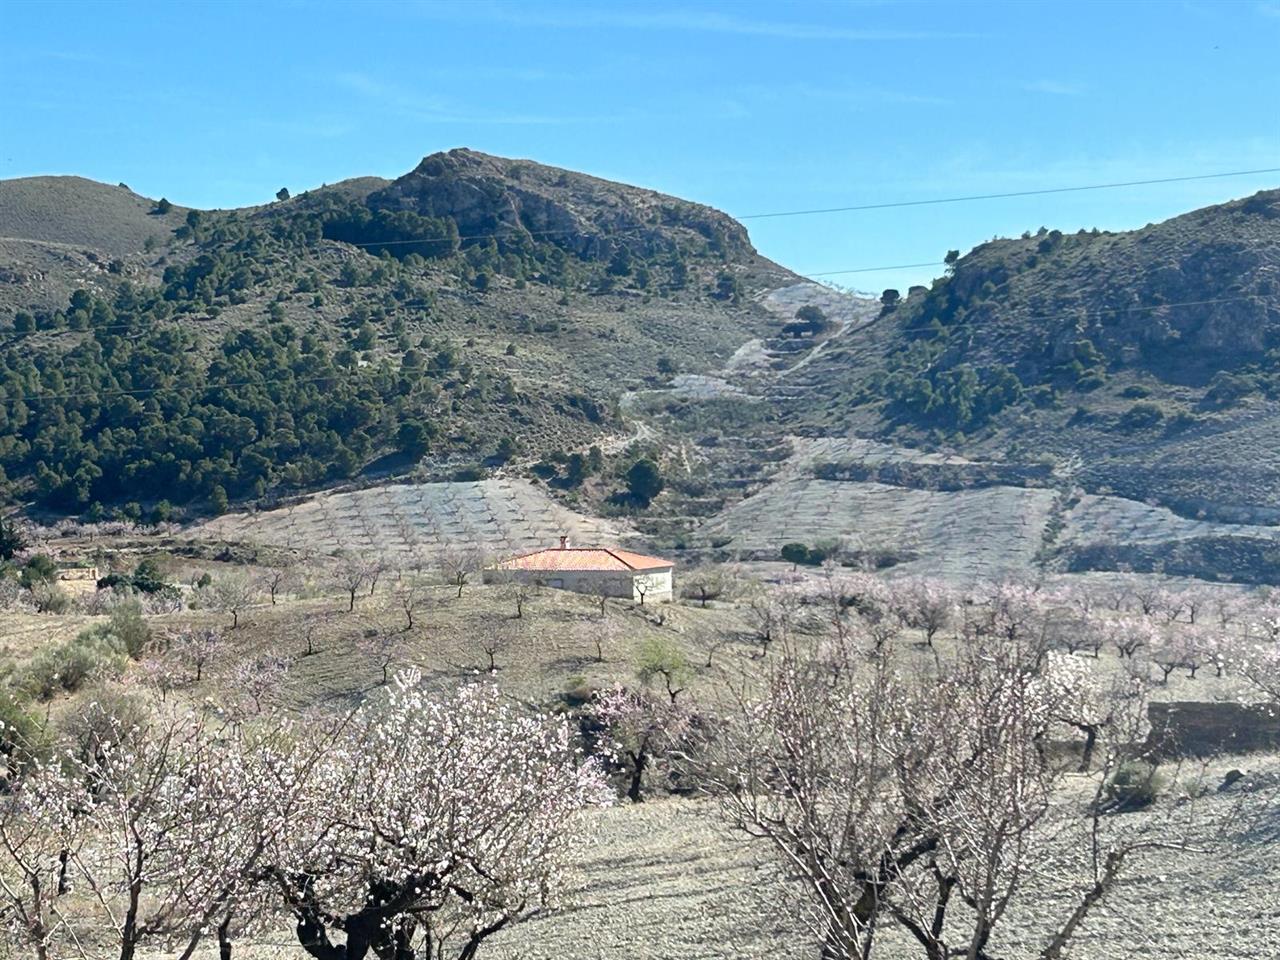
[[618, 573]]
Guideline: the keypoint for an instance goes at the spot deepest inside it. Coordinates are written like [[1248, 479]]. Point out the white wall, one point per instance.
[[622, 585], [657, 586]]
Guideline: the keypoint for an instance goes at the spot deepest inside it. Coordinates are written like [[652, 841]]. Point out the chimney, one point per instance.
[[564, 543]]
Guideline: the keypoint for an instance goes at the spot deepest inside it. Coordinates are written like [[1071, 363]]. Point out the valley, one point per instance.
[[257, 462]]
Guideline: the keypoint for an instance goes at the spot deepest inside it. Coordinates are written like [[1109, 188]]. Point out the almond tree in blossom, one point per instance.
[[41, 830], [928, 606], [444, 821], [1259, 663], [915, 797], [197, 648], [640, 731], [161, 829], [254, 682]]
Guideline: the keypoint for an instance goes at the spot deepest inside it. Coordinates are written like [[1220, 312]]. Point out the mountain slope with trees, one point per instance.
[[474, 310], [1150, 357]]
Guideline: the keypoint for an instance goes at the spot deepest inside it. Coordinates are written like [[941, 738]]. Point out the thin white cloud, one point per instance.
[[433, 108], [699, 21], [854, 95], [1056, 88]]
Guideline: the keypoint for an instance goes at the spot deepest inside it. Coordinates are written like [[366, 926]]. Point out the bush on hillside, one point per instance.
[[68, 666], [644, 481], [815, 556], [50, 598], [1134, 786], [101, 651], [1141, 415]]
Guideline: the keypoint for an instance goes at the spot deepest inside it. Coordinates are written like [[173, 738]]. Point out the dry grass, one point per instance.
[[82, 213], [551, 647]]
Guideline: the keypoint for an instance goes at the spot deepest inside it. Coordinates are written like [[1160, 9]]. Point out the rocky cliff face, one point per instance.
[[585, 215]]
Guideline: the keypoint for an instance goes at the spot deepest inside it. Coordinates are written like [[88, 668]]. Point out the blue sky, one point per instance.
[[750, 107]]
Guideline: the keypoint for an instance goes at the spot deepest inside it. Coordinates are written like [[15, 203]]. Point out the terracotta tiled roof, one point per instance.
[[584, 560]]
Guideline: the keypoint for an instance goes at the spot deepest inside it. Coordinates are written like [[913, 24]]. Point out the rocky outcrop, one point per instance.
[[588, 216]]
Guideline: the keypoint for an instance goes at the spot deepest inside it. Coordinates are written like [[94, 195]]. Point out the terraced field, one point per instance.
[[968, 534], [1117, 520], [415, 522]]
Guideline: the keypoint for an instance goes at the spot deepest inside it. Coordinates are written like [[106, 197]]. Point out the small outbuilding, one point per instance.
[[595, 570]]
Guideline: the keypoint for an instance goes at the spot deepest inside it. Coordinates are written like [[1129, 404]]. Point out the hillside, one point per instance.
[[1099, 401], [1094, 401], [473, 311], [73, 211], [1148, 359]]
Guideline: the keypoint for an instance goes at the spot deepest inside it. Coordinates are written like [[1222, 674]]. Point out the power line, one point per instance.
[[869, 206], [896, 266], [1004, 196]]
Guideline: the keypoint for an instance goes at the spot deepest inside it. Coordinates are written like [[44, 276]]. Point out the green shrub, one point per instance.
[[795, 553], [21, 736], [644, 481], [1042, 396], [129, 628], [111, 716], [1142, 414], [95, 652], [99, 651], [1134, 786], [1179, 421], [50, 598], [39, 569], [1091, 380], [659, 658], [815, 556], [578, 691], [1227, 388]]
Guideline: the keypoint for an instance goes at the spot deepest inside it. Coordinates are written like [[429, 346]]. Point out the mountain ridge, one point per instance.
[[481, 314], [465, 350]]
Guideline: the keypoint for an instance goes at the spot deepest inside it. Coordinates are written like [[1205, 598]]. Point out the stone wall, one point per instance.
[[1197, 729]]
